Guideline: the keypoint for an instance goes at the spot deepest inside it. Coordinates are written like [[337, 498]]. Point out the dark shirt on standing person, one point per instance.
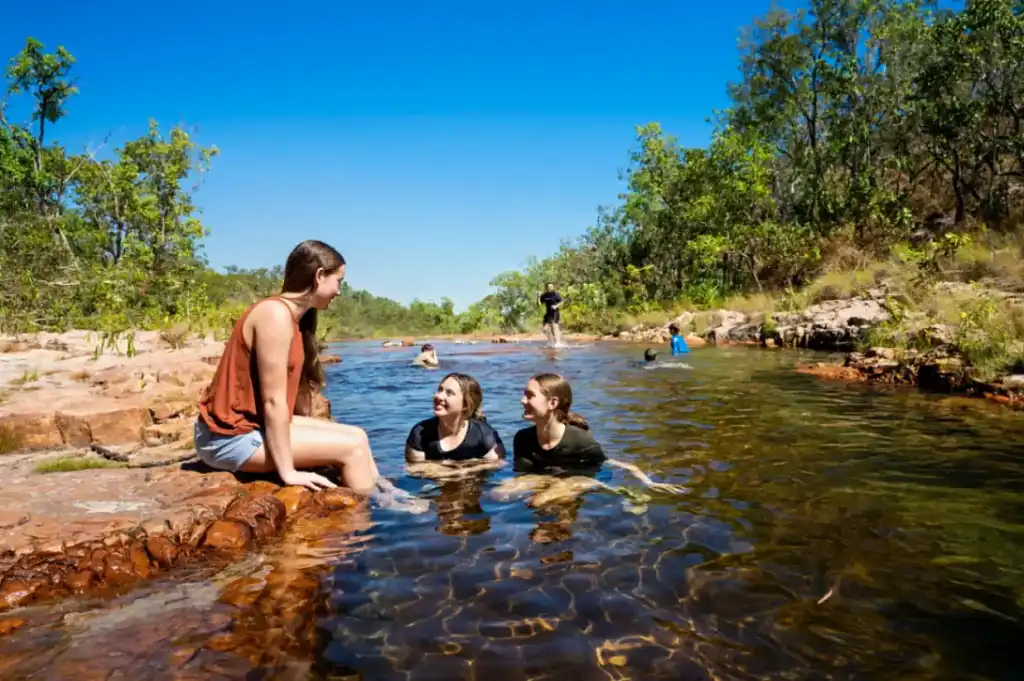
[[552, 315], [576, 450], [480, 439]]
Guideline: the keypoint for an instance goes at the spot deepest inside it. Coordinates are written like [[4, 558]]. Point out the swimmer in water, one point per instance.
[[678, 343], [457, 433], [559, 437], [650, 355], [427, 357]]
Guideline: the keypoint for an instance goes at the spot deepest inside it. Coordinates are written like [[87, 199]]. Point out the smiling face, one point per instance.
[[327, 286], [448, 399], [536, 405]]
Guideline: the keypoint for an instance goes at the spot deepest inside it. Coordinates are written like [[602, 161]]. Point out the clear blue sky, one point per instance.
[[435, 144]]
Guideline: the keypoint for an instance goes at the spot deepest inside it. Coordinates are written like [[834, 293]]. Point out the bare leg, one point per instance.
[[549, 334], [324, 443], [557, 333]]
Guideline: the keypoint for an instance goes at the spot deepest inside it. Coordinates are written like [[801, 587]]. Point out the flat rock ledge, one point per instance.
[[940, 369], [72, 532], [123, 525]]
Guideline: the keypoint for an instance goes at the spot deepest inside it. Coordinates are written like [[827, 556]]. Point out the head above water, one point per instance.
[[313, 271], [458, 396], [650, 354], [426, 347], [673, 329], [550, 396]]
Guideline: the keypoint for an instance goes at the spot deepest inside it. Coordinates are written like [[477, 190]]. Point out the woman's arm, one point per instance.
[[414, 455], [273, 328]]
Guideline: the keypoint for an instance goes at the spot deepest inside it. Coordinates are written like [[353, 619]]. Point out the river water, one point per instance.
[[830, 531]]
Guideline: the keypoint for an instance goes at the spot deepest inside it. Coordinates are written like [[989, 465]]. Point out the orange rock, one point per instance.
[[222, 642], [228, 535], [337, 498], [163, 551], [263, 514], [80, 581], [165, 411], [831, 371], [14, 592], [31, 431], [117, 569], [82, 426], [140, 560], [293, 498], [10, 625]]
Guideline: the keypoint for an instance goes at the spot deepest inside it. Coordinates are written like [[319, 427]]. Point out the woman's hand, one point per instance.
[[309, 480]]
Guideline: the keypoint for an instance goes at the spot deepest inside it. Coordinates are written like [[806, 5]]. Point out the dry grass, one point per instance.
[[28, 376], [81, 375], [176, 336]]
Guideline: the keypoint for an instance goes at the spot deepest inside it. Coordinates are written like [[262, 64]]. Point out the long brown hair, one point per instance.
[[472, 395], [553, 385], [300, 276]]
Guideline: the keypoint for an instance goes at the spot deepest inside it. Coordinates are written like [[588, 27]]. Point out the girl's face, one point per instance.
[[536, 405], [448, 399], [327, 287]]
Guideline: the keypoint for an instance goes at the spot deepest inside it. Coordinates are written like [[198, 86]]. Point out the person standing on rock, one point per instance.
[[552, 315], [254, 415]]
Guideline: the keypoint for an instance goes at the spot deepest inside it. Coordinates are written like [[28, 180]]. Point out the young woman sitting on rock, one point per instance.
[[457, 433], [253, 417]]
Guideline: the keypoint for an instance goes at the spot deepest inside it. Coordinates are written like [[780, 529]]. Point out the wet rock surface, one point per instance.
[[80, 531], [129, 528], [226, 620], [940, 369]]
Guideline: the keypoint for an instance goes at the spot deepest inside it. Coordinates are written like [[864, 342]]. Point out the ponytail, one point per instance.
[[574, 419], [312, 373]]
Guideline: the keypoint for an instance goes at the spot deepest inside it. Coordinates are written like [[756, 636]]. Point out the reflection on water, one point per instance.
[[831, 531]]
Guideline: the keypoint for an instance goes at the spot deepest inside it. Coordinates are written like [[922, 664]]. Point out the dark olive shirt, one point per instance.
[[577, 450]]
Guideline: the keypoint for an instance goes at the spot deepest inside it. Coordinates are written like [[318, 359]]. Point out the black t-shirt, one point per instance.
[[577, 450], [480, 439], [550, 298]]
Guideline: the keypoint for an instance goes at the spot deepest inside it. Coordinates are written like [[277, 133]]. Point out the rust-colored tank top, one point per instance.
[[232, 404]]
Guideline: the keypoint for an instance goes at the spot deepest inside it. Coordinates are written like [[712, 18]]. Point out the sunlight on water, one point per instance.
[[831, 531]]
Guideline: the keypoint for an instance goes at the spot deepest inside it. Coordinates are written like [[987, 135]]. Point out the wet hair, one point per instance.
[[427, 347], [673, 329], [299, 276], [553, 385], [650, 354], [472, 395]]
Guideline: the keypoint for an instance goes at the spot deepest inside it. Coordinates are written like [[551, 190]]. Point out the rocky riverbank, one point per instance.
[[932, 362]]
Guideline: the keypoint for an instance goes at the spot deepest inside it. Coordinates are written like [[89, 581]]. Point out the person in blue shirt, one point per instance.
[[679, 346]]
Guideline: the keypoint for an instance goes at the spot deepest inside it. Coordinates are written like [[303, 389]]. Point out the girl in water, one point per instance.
[[254, 415], [560, 441], [559, 437], [457, 432]]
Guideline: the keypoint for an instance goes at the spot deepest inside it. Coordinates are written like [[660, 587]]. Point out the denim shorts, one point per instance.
[[225, 452]]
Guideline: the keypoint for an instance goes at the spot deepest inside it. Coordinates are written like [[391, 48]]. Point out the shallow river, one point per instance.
[[831, 531]]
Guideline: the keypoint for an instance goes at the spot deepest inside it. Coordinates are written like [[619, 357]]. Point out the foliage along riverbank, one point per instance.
[[856, 133]]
